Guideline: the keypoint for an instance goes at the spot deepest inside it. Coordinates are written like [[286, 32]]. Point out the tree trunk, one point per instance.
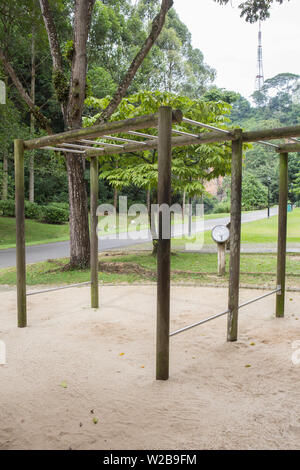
[[32, 123], [5, 177], [79, 224]]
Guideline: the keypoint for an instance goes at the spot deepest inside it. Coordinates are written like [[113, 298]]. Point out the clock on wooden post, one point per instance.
[[220, 234]]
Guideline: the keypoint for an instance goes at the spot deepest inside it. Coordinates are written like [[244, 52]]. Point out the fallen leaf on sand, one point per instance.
[[63, 384]]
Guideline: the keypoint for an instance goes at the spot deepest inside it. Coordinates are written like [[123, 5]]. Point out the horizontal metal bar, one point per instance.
[[115, 127], [184, 133], [75, 146], [101, 143], [57, 288], [267, 143], [201, 322], [121, 139], [61, 149], [278, 289], [294, 140], [140, 134], [205, 126]]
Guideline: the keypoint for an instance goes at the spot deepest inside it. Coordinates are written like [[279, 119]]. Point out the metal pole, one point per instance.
[[94, 184], [20, 233], [52, 289], [235, 237], [268, 198], [213, 317], [164, 245], [282, 229], [190, 216]]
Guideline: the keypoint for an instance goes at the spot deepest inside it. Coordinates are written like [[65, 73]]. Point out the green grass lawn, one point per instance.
[[35, 232], [259, 231], [38, 233], [140, 267]]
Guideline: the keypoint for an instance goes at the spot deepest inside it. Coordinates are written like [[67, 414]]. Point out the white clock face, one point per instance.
[[220, 233]]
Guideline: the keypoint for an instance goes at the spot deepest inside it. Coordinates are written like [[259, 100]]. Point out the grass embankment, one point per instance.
[[37, 233], [262, 231], [140, 267]]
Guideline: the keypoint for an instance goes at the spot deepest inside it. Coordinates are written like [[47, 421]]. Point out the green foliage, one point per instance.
[[60, 205], [254, 193], [222, 207], [61, 86], [254, 10], [191, 165], [32, 210], [7, 208], [54, 215]]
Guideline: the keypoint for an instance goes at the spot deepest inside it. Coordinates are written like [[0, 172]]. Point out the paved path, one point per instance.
[[37, 253]]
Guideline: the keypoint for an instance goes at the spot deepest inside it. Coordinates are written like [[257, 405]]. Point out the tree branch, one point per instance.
[[82, 23], [44, 122], [157, 26], [52, 35]]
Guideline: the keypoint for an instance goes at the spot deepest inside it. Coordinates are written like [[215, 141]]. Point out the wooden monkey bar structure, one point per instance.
[[81, 141]]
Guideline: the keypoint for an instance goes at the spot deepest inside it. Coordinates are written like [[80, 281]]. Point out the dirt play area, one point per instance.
[[85, 379]]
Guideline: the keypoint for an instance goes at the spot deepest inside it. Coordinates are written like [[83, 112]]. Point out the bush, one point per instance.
[[222, 207], [32, 210], [254, 195], [209, 202], [60, 205], [53, 215], [7, 208]]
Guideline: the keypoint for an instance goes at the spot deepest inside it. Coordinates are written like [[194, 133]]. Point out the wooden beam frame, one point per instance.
[[20, 232], [142, 122], [271, 134], [287, 148], [183, 141], [94, 185], [282, 232], [164, 245], [235, 238]]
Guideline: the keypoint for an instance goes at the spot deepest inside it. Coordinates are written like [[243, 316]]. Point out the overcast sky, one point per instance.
[[229, 44]]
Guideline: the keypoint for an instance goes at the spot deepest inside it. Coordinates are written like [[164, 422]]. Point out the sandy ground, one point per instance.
[[73, 364]]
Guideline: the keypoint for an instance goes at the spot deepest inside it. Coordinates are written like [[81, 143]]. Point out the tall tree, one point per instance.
[[254, 10], [69, 80]]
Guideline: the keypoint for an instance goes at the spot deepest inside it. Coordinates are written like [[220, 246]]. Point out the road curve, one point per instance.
[[37, 253]]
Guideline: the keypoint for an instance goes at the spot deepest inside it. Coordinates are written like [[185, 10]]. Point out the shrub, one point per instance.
[[209, 202], [7, 208], [53, 215], [254, 195], [222, 207], [60, 205], [32, 210]]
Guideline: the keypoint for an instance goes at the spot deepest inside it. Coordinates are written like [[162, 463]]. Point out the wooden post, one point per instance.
[[20, 233], [282, 229], [221, 259], [235, 237], [94, 184], [164, 246]]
